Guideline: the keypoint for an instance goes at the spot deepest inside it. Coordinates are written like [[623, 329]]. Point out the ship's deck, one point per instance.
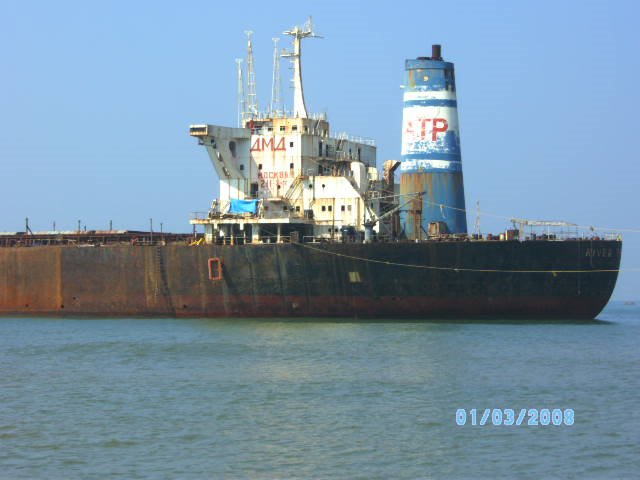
[[141, 238]]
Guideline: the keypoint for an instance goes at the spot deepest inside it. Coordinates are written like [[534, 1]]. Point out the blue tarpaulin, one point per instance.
[[243, 206]]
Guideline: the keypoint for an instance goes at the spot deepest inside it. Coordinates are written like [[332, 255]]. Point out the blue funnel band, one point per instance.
[[436, 164]]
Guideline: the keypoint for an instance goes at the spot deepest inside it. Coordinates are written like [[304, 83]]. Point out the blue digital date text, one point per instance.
[[509, 416]]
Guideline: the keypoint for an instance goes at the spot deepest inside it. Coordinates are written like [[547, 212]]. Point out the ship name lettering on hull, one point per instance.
[[599, 252]]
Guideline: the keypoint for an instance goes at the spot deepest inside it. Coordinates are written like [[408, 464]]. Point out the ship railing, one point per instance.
[[244, 240], [199, 215], [563, 235], [356, 139], [336, 239], [221, 209], [282, 214]]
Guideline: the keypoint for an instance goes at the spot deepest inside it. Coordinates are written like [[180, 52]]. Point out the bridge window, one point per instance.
[[294, 128], [283, 128]]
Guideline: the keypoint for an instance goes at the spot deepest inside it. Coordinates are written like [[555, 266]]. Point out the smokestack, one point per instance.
[[431, 160], [436, 52]]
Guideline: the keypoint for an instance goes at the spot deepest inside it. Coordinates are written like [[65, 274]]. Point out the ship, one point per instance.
[[306, 226]]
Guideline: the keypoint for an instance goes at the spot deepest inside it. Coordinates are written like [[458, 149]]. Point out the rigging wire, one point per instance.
[[509, 218], [460, 269]]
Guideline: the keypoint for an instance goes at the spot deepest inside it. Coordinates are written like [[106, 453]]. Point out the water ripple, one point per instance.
[[148, 398]]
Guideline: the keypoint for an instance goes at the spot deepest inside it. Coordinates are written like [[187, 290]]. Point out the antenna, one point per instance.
[[252, 101], [242, 106], [298, 33], [275, 83]]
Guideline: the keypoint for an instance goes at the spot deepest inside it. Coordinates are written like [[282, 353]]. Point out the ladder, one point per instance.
[[161, 276]]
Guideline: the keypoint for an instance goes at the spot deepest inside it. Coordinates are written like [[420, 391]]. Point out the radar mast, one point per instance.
[[298, 33]]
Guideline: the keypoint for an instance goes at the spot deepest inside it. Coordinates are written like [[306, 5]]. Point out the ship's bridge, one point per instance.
[[287, 167]]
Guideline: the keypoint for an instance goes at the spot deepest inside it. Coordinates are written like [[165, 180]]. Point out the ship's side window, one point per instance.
[[291, 166], [349, 208], [297, 208], [282, 128], [330, 208], [241, 167], [259, 166], [294, 128], [290, 144], [324, 208], [342, 208]]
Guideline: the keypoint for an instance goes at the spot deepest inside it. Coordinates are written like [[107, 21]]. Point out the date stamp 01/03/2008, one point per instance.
[[509, 416]]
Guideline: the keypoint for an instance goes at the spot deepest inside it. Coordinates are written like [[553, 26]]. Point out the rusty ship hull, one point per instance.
[[447, 279]]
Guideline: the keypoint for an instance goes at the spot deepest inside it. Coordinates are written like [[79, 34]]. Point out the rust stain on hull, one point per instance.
[[291, 280]]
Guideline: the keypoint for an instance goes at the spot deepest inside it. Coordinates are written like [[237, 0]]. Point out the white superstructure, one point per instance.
[[285, 174]]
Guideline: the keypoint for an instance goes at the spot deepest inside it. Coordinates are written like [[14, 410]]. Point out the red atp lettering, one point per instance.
[[436, 125], [423, 130], [444, 126]]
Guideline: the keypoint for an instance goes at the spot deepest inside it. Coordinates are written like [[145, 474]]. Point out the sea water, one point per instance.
[[176, 398]]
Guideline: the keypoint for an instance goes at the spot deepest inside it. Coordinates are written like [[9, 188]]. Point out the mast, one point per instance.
[[275, 83], [298, 33], [252, 100], [241, 98]]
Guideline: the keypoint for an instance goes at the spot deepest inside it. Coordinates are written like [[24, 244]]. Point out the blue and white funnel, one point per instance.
[[431, 161]]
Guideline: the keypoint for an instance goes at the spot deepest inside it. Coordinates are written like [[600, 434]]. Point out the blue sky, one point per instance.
[[96, 99]]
